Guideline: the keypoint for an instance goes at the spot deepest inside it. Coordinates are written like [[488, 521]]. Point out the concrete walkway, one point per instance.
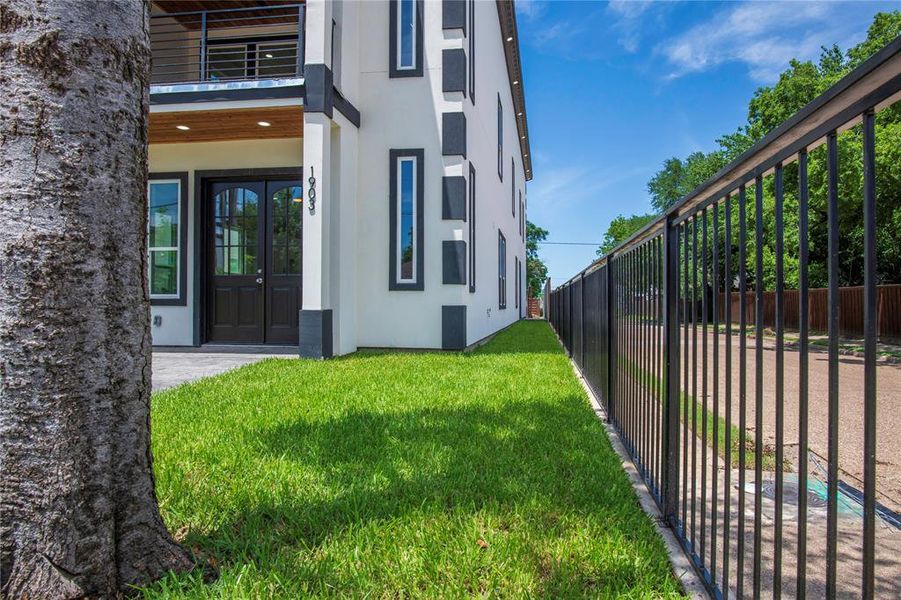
[[174, 368]]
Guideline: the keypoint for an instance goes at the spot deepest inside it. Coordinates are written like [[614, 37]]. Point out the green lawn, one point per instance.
[[402, 475]]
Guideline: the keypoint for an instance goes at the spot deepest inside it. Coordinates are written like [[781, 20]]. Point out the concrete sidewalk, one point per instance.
[[174, 368]]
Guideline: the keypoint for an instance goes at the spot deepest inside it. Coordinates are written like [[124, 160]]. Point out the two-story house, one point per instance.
[[336, 175]]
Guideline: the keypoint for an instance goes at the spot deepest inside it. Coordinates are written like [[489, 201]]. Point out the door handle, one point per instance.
[[260, 280]]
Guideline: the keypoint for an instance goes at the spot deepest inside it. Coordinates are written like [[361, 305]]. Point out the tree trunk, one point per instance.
[[78, 511]]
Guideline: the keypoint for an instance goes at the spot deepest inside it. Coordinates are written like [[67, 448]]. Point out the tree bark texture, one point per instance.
[[78, 511]]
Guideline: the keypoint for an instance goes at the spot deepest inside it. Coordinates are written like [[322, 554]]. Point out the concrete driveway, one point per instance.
[[172, 368]]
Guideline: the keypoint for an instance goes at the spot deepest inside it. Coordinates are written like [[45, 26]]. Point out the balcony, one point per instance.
[[198, 47]]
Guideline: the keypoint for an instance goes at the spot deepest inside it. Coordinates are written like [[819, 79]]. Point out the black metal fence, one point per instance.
[[744, 465]]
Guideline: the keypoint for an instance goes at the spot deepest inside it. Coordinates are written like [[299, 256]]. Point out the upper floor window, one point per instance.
[[406, 269], [522, 217], [406, 36], [513, 186], [166, 195], [472, 51], [500, 138]]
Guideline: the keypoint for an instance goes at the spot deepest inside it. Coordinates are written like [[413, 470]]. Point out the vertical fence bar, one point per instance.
[[780, 379], [671, 371], [611, 335], [202, 46], [803, 257], [869, 318], [301, 39], [727, 461], [704, 282], [661, 380], [694, 376], [832, 261], [683, 399], [716, 389], [758, 380], [646, 355], [742, 381]]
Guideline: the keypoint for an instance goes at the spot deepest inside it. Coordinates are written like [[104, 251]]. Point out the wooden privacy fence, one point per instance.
[[850, 314]]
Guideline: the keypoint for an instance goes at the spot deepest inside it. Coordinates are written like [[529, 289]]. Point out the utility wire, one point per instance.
[[571, 243]]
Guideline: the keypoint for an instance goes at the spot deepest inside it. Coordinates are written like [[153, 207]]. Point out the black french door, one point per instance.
[[254, 239]]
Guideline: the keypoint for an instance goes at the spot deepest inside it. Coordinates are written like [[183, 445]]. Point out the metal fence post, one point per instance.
[[611, 346], [671, 370], [582, 321]]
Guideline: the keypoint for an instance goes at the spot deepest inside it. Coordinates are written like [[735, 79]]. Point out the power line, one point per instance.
[[571, 243]]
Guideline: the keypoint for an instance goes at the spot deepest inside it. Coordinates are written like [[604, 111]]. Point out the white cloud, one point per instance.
[[628, 18], [559, 187], [530, 9], [762, 35]]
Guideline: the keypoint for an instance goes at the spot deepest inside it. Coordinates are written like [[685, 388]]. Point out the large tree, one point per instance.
[[536, 270], [79, 512]]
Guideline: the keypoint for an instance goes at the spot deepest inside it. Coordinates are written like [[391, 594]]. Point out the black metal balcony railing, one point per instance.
[[234, 44], [738, 431]]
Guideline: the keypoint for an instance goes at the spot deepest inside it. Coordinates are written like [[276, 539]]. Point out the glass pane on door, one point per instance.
[[236, 243], [287, 217]]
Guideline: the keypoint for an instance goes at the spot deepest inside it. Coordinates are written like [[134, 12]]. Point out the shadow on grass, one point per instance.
[[549, 463]]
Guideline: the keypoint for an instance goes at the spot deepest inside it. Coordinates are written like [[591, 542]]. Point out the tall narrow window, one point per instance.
[[472, 228], [500, 138], [501, 270], [406, 38], [472, 51], [406, 268], [516, 280], [513, 185], [167, 211], [522, 217]]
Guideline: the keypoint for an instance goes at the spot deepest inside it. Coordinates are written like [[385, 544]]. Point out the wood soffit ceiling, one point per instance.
[[222, 19], [222, 125]]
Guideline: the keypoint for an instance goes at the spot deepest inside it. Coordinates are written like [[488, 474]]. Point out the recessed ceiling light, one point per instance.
[[267, 55], [510, 39], [518, 114], [516, 83], [523, 137], [264, 123], [182, 127]]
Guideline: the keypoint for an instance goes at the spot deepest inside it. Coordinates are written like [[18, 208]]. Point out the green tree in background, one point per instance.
[[536, 270], [770, 106], [621, 228]]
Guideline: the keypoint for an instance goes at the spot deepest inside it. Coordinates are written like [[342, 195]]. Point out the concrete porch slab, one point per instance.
[[172, 368]]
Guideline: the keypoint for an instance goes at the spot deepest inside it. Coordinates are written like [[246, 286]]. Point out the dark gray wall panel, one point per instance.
[[453, 15], [453, 134], [453, 70], [319, 89], [453, 258], [453, 327], [316, 333], [453, 204]]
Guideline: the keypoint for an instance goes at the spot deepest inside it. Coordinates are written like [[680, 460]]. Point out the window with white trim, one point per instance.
[[501, 270], [405, 38], [406, 223], [500, 138], [406, 269], [164, 230], [406, 35]]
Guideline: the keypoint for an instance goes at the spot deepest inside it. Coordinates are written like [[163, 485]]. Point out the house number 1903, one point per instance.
[[311, 193]]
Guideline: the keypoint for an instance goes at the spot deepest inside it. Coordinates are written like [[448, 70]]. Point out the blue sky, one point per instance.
[[614, 89]]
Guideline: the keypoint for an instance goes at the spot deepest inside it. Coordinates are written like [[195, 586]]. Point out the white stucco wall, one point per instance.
[[177, 328], [407, 113]]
